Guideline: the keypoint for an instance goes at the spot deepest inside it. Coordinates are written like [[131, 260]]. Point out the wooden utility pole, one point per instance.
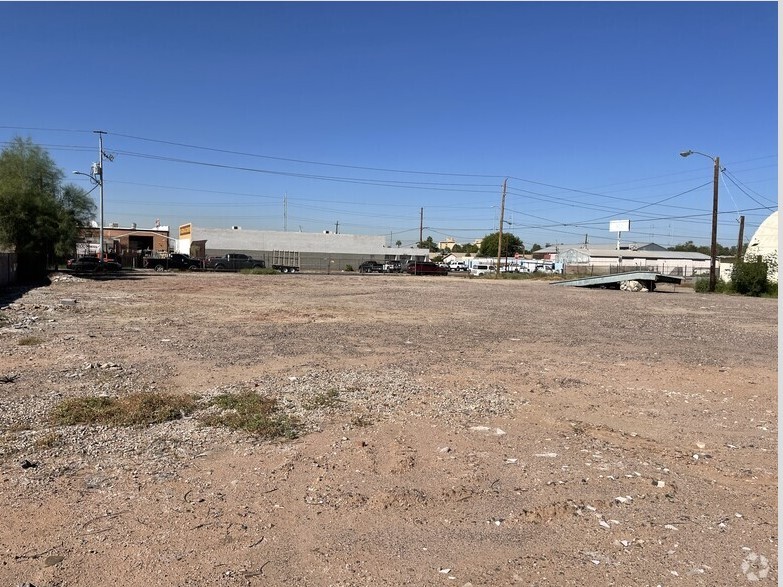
[[336, 227], [714, 240], [739, 240], [500, 230], [421, 226]]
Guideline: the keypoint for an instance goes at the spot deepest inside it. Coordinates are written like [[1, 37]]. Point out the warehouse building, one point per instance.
[[319, 251], [764, 244], [588, 259]]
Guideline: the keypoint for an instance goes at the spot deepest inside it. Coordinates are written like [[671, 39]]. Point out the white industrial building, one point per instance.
[[765, 243], [602, 259], [319, 251]]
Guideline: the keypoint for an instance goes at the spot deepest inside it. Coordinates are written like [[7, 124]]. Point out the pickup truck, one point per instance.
[[173, 261], [370, 267], [233, 262]]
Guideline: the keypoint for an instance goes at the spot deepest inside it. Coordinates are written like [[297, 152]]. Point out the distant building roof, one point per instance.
[[639, 251]]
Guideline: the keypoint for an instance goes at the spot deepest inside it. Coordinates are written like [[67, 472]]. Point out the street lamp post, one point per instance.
[[96, 175], [714, 239]]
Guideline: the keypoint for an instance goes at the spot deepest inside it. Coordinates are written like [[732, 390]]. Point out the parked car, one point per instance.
[[392, 267], [481, 269], [173, 261], [458, 266], [425, 268], [233, 262], [370, 267], [92, 265]]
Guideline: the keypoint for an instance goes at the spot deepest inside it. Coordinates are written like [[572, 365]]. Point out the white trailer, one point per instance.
[[285, 261]]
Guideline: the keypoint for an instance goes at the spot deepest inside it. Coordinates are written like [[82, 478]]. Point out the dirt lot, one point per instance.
[[453, 432]]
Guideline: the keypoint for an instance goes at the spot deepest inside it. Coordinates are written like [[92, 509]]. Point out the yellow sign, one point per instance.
[[184, 230]]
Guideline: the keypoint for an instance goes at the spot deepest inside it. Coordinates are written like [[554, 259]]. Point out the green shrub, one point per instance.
[[252, 413], [702, 285], [264, 271], [348, 268], [750, 279], [138, 409]]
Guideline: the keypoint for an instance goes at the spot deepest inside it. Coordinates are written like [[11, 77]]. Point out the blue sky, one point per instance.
[[355, 116]]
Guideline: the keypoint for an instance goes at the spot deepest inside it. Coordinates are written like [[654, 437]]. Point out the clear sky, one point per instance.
[[355, 116]]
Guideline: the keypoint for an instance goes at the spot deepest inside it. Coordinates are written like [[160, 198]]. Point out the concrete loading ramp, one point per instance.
[[647, 278]]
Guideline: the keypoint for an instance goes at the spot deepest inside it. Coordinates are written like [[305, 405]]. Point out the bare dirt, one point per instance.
[[477, 432]]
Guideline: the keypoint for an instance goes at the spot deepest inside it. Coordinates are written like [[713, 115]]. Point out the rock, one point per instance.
[[28, 465]]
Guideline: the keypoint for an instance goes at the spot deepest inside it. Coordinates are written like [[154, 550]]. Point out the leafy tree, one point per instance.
[[690, 247], [76, 210], [470, 248], [38, 218], [510, 245], [535, 247], [398, 243], [750, 279], [429, 244]]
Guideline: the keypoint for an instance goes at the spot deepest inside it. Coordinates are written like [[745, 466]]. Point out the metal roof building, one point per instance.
[[318, 250], [607, 258]]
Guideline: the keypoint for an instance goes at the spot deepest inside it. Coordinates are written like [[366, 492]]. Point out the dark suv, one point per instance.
[[92, 265], [370, 267], [425, 268]]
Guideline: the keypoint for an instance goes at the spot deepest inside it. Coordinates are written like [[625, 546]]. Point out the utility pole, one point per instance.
[[714, 242], [336, 227], [500, 230], [739, 240], [714, 238], [421, 226], [285, 212], [99, 174]]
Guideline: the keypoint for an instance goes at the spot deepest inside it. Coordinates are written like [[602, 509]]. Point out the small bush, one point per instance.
[[30, 340], [750, 279], [252, 413], [328, 399], [138, 409], [48, 440], [348, 268], [264, 271], [702, 285]]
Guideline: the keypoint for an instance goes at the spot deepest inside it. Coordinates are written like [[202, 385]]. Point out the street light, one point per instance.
[[96, 175], [714, 240]]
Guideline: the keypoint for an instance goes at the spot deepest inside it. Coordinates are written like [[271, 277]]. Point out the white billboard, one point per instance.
[[619, 225]]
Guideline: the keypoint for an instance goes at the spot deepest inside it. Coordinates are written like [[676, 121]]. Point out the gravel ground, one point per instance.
[[453, 431]]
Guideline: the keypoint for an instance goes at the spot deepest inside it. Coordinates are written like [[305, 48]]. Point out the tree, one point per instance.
[[750, 278], [76, 210], [429, 244], [38, 218], [398, 243], [489, 245], [535, 247], [720, 250]]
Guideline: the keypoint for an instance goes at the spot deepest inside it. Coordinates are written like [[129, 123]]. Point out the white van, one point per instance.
[[481, 269]]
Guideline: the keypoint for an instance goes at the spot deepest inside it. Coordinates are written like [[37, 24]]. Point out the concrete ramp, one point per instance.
[[647, 278]]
